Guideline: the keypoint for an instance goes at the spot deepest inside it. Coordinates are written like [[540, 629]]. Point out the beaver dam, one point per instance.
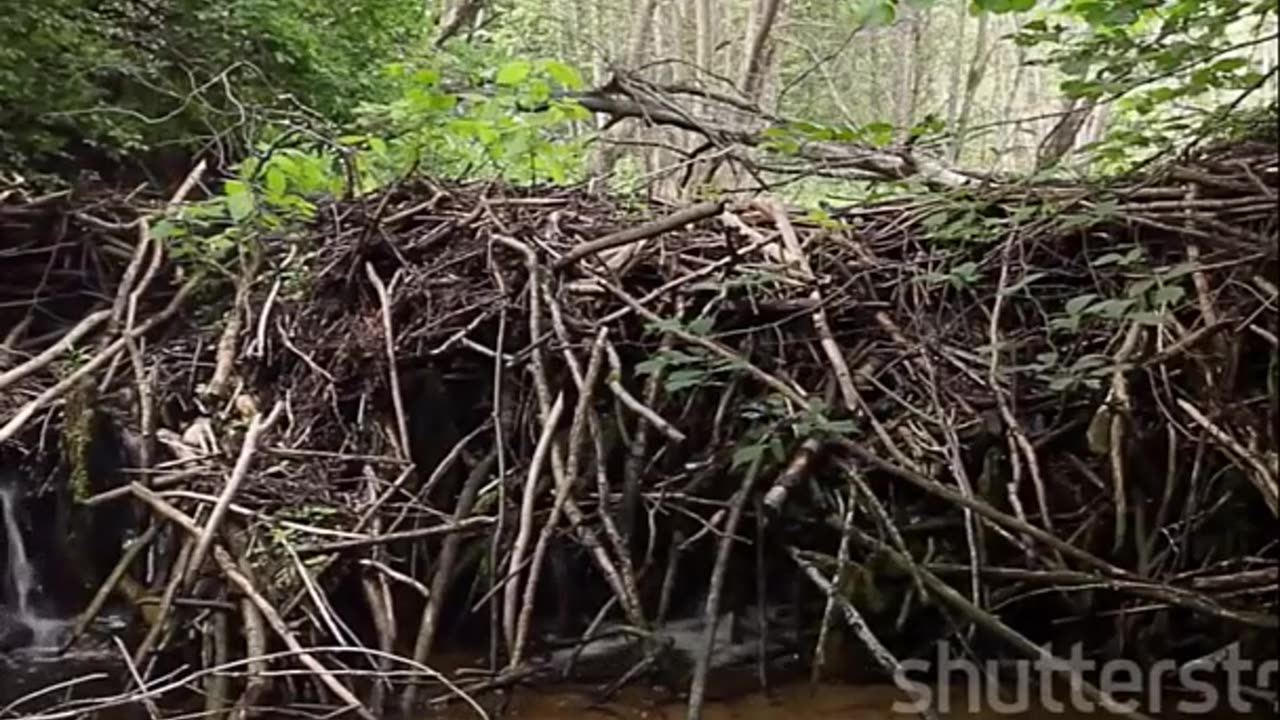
[[456, 443]]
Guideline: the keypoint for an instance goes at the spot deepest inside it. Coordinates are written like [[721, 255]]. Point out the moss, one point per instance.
[[77, 438]]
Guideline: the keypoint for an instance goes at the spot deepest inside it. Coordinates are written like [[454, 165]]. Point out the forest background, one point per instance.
[[478, 88]]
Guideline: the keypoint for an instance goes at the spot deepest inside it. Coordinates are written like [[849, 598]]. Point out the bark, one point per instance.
[[705, 38], [751, 75], [641, 29], [1009, 130], [1062, 138], [459, 18], [957, 64], [977, 70]]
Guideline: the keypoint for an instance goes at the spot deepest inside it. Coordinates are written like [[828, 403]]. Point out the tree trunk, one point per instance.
[[957, 62], [1062, 138], [1011, 123], [750, 77], [705, 41], [977, 70]]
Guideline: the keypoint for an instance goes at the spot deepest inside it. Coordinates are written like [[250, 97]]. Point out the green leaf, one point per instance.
[[563, 74], [1081, 88], [1111, 309], [275, 181], [683, 379], [239, 200], [701, 326], [1076, 305], [426, 76], [1059, 384], [748, 455], [652, 366], [1089, 362], [1030, 278], [513, 73], [878, 13], [1168, 295], [878, 133], [1139, 287]]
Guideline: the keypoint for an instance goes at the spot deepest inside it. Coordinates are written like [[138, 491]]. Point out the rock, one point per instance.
[[14, 633], [615, 651]]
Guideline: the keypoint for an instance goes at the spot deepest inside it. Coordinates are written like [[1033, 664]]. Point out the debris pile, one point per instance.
[[960, 400]]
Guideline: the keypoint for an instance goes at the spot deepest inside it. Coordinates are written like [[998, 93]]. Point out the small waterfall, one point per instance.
[[22, 577], [21, 582]]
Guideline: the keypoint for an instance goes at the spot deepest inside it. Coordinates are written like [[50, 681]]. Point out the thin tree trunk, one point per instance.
[[1062, 138], [977, 70], [641, 29], [750, 78], [705, 41], [1011, 122], [957, 62]]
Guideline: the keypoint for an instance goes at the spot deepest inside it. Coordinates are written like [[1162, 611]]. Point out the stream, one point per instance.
[[35, 655], [31, 652]]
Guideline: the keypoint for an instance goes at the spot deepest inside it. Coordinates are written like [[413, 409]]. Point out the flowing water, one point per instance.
[[21, 578], [20, 606]]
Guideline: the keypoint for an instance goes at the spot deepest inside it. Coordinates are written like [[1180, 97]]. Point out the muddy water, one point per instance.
[[793, 702], [30, 669], [796, 701]]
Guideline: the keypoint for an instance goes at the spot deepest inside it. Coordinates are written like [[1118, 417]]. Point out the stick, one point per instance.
[[228, 567], [614, 381], [109, 585], [82, 328], [711, 613], [511, 593], [985, 620], [397, 401], [278, 625], [853, 618], [677, 220], [987, 512], [442, 529], [59, 389], [257, 426], [564, 487], [1262, 477]]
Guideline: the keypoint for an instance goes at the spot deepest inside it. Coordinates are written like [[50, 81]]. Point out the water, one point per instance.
[[613, 650], [21, 583], [22, 577]]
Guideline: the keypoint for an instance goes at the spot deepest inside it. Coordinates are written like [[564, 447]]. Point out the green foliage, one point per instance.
[[125, 76], [773, 417], [790, 137], [269, 193], [509, 122], [1173, 68]]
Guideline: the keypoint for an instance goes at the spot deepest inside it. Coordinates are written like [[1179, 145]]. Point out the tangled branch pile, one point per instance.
[[958, 400]]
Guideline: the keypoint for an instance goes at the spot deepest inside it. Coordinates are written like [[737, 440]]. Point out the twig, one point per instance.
[[104, 356], [854, 620], [257, 427], [993, 625], [109, 585], [86, 325], [711, 612], [524, 530], [402, 426], [677, 220], [1260, 474]]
